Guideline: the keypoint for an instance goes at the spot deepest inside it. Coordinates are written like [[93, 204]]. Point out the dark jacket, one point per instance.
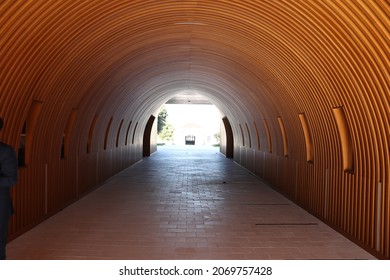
[[8, 166]]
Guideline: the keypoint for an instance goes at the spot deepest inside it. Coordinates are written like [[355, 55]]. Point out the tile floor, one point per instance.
[[184, 203]]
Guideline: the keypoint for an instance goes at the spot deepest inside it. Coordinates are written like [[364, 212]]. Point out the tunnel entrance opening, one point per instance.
[[189, 125], [189, 120]]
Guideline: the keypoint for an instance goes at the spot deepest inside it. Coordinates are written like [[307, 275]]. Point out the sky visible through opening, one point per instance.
[[199, 120]]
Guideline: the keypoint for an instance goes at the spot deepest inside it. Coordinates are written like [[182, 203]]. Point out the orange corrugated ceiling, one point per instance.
[[257, 61]]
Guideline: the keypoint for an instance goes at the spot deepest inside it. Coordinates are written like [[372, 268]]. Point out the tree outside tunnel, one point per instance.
[[199, 121], [165, 130]]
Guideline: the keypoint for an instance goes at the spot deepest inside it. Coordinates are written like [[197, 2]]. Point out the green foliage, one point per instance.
[[167, 132], [162, 119], [164, 129], [217, 137]]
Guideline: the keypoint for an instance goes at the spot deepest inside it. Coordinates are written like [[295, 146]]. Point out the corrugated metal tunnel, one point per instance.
[[303, 84]]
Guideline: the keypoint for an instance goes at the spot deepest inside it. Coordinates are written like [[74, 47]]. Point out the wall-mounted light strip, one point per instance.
[[119, 133], [135, 129], [268, 135], [127, 134], [257, 136], [284, 136], [249, 135], [26, 140], [242, 135], [68, 133], [90, 134], [345, 138], [107, 133], [308, 138]]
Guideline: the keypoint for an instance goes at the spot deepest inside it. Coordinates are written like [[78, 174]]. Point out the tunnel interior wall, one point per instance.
[[304, 84]]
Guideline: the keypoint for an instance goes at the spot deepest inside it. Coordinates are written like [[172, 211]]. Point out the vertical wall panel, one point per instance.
[[29, 198], [62, 184], [87, 172], [105, 165]]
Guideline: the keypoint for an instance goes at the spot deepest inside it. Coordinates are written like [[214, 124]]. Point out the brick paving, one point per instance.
[[184, 203]]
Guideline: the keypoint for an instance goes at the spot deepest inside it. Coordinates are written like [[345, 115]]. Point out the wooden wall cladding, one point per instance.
[[259, 61]]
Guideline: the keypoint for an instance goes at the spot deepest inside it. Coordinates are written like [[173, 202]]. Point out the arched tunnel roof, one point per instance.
[[257, 61], [253, 59]]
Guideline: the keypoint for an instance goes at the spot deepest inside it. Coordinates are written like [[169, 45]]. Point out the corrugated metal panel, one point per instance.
[[123, 59]]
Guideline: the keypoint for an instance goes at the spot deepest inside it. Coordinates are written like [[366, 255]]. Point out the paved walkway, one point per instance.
[[184, 203]]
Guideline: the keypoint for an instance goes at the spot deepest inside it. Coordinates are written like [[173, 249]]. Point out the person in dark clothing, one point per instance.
[[8, 177]]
